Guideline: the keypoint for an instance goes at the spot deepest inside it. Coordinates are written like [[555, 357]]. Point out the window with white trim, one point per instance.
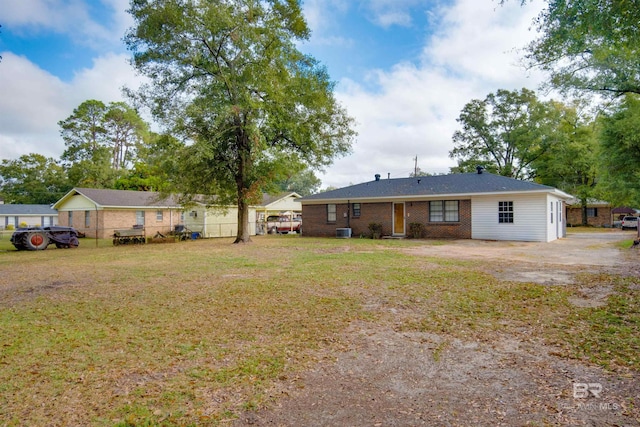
[[444, 211], [331, 213], [139, 217], [505, 212]]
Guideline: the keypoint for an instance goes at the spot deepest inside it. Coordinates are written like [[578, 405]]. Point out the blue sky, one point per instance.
[[404, 70]]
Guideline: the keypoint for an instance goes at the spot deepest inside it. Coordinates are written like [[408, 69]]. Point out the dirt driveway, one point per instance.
[[386, 377]]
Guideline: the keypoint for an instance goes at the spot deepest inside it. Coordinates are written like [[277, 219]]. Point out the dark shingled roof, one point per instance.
[[462, 184], [126, 198], [23, 210]]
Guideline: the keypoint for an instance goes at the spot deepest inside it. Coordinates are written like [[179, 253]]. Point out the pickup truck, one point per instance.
[[283, 224]]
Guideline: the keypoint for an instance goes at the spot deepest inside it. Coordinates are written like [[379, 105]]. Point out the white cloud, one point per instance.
[[387, 13], [320, 14], [34, 101], [482, 40], [70, 17], [406, 111], [30, 106], [414, 108]]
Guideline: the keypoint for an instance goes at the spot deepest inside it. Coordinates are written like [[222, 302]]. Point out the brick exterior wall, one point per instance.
[[603, 219], [418, 212], [110, 220], [315, 220]]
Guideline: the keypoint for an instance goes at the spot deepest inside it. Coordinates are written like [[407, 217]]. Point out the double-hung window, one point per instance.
[[331, 213], [444, 211], [139, 217], [356, 210]]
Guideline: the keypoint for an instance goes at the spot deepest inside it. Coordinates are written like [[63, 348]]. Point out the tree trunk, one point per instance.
[[585, 219], [244, 234], [242, 184]]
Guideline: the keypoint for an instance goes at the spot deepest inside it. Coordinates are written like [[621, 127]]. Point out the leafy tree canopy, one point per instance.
[[101, 142], [620, 153], [304, 183], [227, 78], [32, 179], [506, 132], [572, 164], [590, 45]]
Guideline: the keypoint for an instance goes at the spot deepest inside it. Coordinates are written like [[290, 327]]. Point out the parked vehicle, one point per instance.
[[629, 222], [283, 224], [39, 238]]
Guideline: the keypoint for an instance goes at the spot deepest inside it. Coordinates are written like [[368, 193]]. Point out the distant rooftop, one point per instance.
[[24, 210]]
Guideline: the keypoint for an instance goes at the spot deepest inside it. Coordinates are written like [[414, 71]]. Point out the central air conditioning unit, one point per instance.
[[343, 233]]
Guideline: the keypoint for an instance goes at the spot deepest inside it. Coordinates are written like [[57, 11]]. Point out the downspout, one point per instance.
[[205, 213], [96, 205]]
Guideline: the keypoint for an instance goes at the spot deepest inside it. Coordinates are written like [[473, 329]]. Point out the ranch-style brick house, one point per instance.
[[99, 212], [599, 213], [459, 206]]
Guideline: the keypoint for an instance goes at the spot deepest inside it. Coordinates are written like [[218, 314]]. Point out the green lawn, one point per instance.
[[191, 333]]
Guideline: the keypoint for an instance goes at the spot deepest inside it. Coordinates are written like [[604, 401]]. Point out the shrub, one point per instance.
[[416, 230], [11, 227], [376, 230]]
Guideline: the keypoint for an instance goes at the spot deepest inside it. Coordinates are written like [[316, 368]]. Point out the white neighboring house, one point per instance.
[[216, 221], [223, 221], [11, 216], [283, 203]]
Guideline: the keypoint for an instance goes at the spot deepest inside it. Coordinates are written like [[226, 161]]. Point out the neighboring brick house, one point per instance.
[[462, 206], [599, 213], [98, 212]]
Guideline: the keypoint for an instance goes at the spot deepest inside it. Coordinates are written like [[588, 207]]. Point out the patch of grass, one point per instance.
[[192, 333], [608, 335]]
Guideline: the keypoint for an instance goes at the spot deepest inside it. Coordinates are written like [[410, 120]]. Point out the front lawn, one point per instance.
[[191, 333]]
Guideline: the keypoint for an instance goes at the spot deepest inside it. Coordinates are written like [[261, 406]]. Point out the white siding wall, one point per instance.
[[530, 218], [215, 223], [78, 203], [556, 228]]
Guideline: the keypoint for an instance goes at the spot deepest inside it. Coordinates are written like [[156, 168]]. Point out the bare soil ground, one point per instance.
[[388, 377]]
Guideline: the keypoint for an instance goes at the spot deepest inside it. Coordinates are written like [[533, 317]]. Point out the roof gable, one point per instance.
[[439, 185], [270, 199]]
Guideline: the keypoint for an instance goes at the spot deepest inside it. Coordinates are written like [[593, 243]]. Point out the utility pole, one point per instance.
[[415, 166]]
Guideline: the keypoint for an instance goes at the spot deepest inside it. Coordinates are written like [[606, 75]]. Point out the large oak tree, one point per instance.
[[227, 77], [572, 164], [505, 132]]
